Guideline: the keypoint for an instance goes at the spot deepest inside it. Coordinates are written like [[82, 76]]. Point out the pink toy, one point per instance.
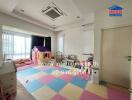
[[38, 56]]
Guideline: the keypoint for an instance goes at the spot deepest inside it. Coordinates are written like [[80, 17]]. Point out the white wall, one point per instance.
[[102, 20], [23, 25], [78, 41]]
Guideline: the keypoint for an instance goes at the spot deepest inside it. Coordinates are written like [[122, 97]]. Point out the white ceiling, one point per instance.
[[32, 11]]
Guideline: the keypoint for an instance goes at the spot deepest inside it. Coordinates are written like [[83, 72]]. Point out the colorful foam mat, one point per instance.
[[54, 83]]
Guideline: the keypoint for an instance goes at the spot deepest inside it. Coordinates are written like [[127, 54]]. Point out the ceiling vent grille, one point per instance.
[[52, 11]]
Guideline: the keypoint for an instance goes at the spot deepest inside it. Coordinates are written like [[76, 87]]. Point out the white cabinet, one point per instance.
[[95, 75]]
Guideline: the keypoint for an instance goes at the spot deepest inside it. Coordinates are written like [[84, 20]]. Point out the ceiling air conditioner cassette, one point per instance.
[[52, 11]]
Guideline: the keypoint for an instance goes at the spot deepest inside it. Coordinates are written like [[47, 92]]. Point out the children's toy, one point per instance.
[[39, 54]]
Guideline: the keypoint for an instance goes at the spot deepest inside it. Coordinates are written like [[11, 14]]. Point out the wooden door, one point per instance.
[[116, 50]]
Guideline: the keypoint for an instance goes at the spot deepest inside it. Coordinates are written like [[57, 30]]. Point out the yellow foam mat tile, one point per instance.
[[56, 73], [44, 93], [117, 87], [97, 89], [71, 92]]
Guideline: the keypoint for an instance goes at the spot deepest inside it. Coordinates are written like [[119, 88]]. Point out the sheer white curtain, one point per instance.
[[61, 44], [16, 46]]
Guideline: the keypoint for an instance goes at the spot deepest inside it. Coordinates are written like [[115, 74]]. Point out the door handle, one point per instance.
[[130, 90], [129, 58]]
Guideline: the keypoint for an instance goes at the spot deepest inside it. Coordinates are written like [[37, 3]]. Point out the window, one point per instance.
[[61, 44], [16, 46]]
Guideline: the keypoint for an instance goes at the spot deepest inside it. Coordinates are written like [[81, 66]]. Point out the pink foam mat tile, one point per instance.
[[66, 77], [46, 79], [116, 94], [58, 97], [90, 96]]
